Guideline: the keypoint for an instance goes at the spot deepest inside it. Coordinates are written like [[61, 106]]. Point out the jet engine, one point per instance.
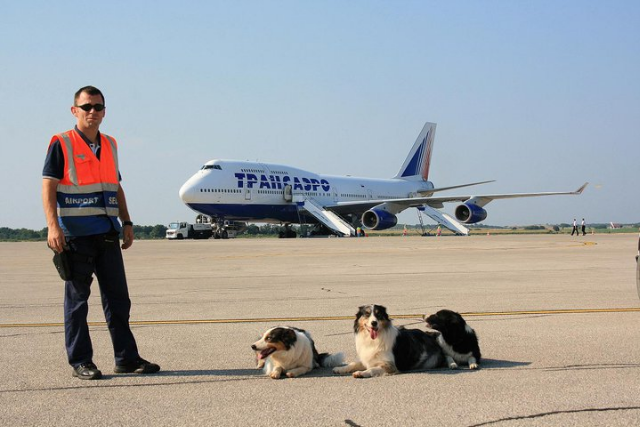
[[375, 219], [469, 213]]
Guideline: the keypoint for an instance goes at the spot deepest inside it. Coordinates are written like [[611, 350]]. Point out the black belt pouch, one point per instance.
[[62, 262]]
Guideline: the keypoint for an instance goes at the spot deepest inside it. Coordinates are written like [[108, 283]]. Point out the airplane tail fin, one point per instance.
[[416, 165]]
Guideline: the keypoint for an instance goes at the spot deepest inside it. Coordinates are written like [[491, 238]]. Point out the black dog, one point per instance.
[[458, 341]]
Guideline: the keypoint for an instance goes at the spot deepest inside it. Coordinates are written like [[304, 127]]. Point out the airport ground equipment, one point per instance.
[[220, 228], [183, 230], [327, 218]]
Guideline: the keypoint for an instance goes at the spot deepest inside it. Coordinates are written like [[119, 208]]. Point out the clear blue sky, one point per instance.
[[538, 95]]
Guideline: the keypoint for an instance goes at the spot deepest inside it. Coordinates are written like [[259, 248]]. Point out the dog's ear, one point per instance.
[[289, 338], [380, 312], [456, 321], [359, 314], [356, 323]]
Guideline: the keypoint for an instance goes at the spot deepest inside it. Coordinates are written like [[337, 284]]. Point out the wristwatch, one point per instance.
[[124, 223]]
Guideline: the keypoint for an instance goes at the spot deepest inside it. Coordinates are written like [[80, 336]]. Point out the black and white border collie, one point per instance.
[[383, 349], [458, 340], [291, 351]]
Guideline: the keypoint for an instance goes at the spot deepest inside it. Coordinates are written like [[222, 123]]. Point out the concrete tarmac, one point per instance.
[[558, 319]]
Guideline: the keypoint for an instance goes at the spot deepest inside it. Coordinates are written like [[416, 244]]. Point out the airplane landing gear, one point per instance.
[[287, 233]]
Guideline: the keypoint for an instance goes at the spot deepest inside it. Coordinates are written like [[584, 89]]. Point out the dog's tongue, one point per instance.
[[265, 353], [374, 334]]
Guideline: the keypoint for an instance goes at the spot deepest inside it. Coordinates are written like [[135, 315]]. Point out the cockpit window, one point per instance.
[[205, 167]]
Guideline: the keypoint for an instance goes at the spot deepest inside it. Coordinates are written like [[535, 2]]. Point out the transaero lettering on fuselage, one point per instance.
[[278, 182]]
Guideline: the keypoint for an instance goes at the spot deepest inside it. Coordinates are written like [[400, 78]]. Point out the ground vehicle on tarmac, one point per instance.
[[227, 229], [221, 229], [183, 230]]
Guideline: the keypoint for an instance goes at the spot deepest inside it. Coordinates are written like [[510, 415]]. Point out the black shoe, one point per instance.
[[87, 371], [139, 366]]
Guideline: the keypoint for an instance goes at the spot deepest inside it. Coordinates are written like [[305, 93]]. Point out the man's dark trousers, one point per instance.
[[99, 254]]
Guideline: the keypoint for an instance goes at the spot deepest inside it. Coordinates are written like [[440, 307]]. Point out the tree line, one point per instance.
[[142, 232], [149, 232]]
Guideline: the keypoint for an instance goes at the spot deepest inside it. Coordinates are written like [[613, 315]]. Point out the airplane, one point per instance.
[[229, 190]]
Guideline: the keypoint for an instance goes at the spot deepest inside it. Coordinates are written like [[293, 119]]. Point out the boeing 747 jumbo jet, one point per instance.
[[230, 190]]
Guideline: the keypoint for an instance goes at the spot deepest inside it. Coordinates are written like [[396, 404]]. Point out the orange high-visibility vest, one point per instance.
[[87, 192]]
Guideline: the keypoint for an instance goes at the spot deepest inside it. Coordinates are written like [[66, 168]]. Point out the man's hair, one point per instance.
[[91, 90]]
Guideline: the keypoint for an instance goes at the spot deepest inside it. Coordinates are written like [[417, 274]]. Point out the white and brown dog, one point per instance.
[[383, 349], [291, 351]]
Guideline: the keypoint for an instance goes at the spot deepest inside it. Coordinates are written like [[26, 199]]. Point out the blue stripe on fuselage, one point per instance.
[[253, 212]]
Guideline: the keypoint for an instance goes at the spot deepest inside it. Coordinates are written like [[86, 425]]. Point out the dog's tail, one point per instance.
[[331, 360]]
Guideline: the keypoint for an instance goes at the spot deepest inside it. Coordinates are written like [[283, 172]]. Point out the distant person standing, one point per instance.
[[584, 228], [575, 228], [83, 200], [638, 268]]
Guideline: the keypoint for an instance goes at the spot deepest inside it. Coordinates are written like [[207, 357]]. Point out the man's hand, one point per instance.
[[55, 238], [127, 236], [127, 230]]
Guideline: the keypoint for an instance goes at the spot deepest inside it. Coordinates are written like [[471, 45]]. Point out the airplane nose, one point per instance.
[[190, 192], [187, 192]]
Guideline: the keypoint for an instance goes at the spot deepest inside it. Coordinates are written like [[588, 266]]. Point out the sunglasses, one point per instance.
[[89, 107]]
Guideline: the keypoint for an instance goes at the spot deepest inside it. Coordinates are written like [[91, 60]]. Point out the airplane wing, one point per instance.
[[435, 190], [398, 205]]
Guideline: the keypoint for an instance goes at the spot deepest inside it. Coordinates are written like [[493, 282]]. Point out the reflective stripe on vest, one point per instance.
[[71, 166], [114, 149], [91, 188], [87, 211]]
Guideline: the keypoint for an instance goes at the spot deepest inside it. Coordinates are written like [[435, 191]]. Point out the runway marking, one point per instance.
[[328, 318]]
